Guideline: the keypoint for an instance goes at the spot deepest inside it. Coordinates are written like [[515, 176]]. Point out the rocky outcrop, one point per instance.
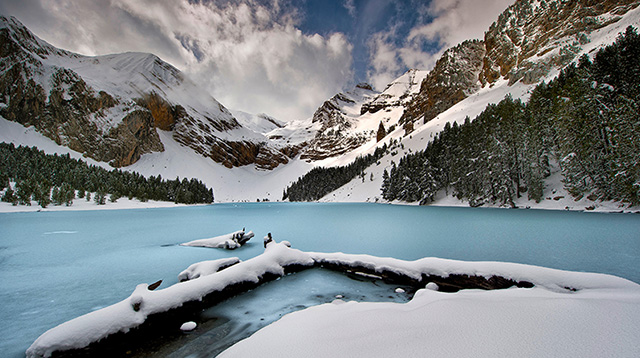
[[134, 136], [72, 113], [336, 135], [532, 37], [397, 93], [454, 78]]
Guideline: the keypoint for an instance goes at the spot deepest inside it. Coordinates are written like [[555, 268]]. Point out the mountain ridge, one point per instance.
[[111, 106]]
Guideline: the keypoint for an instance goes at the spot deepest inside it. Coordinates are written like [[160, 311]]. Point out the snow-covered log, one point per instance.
[[205, 268], [228, 241], [110, 329], [146, 315]]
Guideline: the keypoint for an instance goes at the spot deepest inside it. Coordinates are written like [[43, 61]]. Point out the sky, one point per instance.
[[279, 57]]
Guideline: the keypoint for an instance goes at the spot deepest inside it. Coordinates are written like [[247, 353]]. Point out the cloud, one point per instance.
[[351, 7], [249, 54], [449, 23]]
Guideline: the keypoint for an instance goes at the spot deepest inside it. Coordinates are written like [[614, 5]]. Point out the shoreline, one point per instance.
[[126, 204], [83, 205]]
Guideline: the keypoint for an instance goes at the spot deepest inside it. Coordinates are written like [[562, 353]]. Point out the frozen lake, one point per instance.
[[55, 266]]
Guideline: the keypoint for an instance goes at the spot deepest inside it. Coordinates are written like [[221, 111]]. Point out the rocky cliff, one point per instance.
[[529, 40], [111, 107], [533, 36], [337, 122], [453, 78]]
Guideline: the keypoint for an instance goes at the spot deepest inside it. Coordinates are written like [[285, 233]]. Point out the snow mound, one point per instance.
[[188, 326], [599, 317], [473, 323]]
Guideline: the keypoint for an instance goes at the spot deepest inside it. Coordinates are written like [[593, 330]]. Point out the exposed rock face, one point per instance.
[[71, 113], [238, 153], [454, 78], [398, 93], [337, 117], [136, 136], [531, 37]]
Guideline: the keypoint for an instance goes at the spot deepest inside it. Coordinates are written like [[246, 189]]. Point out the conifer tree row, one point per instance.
[[321, 181], [55, 178], [587, 120]]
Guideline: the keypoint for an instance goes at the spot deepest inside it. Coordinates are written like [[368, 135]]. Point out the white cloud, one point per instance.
[[249, 54], [453, 22], [384, 61]]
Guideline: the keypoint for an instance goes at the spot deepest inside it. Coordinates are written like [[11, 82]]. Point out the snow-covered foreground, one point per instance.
[[564, 314], [506, 323]]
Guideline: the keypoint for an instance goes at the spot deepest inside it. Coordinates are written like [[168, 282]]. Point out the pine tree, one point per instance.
[[385, 186], [100, 198], [67, 194], [381, 132], [9, 196], [24, 191]]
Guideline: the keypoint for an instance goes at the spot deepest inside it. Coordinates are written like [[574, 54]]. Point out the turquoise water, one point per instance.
[[55, 266]]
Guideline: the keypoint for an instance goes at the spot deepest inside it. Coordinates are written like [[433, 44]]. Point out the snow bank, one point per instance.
[[564, 314], [599, 317], [502, 323], [228, 241], [431, 267]]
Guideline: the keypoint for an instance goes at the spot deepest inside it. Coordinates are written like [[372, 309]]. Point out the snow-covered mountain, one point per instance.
[[459, 86], [110, 107], [135, 111]]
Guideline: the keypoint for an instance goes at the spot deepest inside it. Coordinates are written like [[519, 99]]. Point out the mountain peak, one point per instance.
[[13, 31]]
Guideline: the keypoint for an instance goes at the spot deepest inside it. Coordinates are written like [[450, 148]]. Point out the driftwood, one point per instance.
[[163, 327]]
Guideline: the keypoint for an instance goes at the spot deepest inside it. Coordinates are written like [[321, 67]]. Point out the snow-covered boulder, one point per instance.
[[228, 241], [188, 326], [205, 268]]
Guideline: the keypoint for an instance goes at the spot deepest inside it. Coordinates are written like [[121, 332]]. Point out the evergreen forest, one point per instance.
[[586, 121], [59, 179], [321, 181]]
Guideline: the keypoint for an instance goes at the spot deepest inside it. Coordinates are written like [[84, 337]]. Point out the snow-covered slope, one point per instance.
[[402, 144], [397, 93]]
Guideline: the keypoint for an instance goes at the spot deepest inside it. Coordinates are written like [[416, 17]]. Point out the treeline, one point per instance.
[[321, 181], [56, 178], [587, 120]]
